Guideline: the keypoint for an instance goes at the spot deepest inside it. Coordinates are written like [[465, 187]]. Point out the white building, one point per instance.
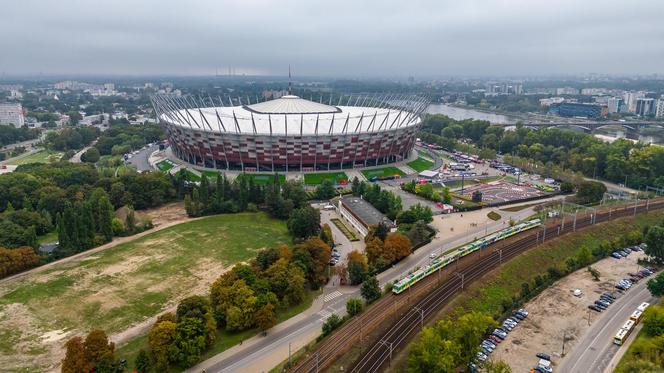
[[550, 101], [567, 91], [659, 112], [630, 100], [12, 114], [613, 104]]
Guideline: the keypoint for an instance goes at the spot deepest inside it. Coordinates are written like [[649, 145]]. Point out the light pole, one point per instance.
[[421, 311]]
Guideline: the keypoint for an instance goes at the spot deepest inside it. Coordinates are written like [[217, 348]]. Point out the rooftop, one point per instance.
[[290, 104], [364, 211]]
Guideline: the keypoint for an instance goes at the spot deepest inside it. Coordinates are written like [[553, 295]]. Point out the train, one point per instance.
[[445, 259]]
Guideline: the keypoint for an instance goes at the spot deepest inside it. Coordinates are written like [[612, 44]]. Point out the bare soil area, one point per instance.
[[556, 314]]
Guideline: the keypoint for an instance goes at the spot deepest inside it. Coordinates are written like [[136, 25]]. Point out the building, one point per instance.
[[659, 112], [291, 133], [630, 100], [550, 101], [12, 114], [645, 107], [360, 214], [568, 109], [614, 104], [566, 91]]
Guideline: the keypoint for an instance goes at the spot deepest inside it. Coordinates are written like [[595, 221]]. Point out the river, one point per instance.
[[458, 113], [607, 134]]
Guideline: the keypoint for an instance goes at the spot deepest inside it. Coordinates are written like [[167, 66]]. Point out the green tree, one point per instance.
[[234, 305], [189, 341], [199, 307], [304, 222], [497, 367], [655, 241], [354, 306], [91, 155], [325, 190], [435, 350], [332, 322], [370, 289], [656, 285], [161, 339], [653, 321], [143, 364]]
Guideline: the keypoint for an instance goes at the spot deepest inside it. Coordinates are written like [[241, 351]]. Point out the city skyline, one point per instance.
[[422, 39]]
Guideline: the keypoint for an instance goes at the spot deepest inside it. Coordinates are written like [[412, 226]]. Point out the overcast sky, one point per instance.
[[332, 38]]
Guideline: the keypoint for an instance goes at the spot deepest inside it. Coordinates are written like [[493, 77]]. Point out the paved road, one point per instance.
[[595, 350], [262, 353], [140, 160]]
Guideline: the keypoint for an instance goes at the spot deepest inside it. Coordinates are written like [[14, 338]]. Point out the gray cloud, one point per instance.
[[344, 37]]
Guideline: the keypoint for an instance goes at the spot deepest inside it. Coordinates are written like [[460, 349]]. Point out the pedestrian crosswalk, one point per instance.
[[324, 314], [331, 296]]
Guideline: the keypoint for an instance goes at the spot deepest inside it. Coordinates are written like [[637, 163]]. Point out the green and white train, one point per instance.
[[443, 260]]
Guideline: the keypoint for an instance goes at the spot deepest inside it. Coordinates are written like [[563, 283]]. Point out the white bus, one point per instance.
[[636, 316], [624, 332], [642, 307]]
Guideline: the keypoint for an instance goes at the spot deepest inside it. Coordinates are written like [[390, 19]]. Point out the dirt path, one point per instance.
[[162, 217]]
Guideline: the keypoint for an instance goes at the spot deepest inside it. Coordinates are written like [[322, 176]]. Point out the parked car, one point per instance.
[[522, 312], [621, 287], [608, 295], [600, 305], [481, 356], [616, 255], [500, 333], [606, 299], [603, 303], [514, 319], [490, 342], [495, 339], [544, 356], [595, 308]]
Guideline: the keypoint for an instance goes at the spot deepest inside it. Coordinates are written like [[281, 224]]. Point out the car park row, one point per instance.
[[498, 335]]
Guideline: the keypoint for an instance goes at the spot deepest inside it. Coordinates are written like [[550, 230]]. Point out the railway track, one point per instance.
[[411, 309]]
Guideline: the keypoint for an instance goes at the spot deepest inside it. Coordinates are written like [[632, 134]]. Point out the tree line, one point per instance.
[[554, 150], [286, 201], [10, 134], [78, 202]]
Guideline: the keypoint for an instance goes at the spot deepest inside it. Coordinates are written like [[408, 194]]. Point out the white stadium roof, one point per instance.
[[289, 115]]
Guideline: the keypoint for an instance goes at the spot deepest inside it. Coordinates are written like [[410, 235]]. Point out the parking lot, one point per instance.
[[559, 316]]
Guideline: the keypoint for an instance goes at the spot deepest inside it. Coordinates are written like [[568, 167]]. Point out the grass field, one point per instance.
[[48, 237], [263, 179], [345, 230], [385, 171], [42, 156], [119, 287], [420, 164], [317, 178], [165, 165], [488, 295]]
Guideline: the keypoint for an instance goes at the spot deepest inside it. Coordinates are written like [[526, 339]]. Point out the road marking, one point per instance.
[[331, 296], [324, 314]]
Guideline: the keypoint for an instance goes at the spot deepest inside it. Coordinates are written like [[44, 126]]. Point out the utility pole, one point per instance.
[[388, 345], [500, 256], [421, 311], [564, 337], [462, 276], [289, 354]]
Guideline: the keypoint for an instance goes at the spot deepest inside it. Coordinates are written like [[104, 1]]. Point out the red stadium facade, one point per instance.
[[290, 133]]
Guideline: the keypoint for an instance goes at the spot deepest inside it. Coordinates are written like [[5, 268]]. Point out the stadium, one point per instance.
[[291, 133]]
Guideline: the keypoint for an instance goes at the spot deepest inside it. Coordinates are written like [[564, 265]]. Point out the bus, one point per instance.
[[642, 307], [624, 332], [636, 316]]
